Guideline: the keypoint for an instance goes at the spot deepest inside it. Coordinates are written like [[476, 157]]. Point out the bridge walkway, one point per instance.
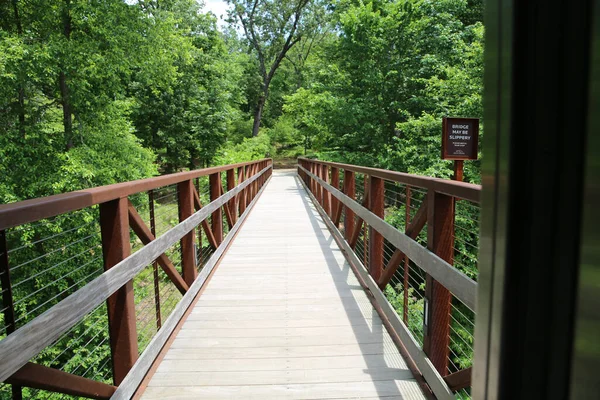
[[283, 317]]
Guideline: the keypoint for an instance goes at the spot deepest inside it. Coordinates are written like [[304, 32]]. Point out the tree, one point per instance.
[[272, 28], [184, 119]]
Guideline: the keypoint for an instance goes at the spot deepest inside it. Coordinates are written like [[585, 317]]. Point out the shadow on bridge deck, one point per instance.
[[283, 317]]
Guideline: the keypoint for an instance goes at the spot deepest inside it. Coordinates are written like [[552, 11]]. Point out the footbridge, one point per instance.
[[329, 281]]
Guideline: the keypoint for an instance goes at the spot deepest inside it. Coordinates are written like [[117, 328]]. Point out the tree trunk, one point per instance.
[[62, 83], [21, 90], [66, 106], [258, 114]]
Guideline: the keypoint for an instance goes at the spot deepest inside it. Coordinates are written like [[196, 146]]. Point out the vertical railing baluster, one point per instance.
[[217, 215], [440, 240], [250, 186], [326, 193], [185, 198], [350, 191], [312, 181], [7, 300], [321, 188], [255, 183], [155, 264], [376, 189], [335, 203], [116, 246], [366, 232], [241, 197], [406, 261], [198, 230], [247, 174]]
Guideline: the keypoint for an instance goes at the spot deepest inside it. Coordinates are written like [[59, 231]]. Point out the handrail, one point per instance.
[[466, 191], [464, 288], [26, 211], [28, 341]]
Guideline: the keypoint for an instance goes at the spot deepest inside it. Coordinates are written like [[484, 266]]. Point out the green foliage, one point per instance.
[[186, 118], [376, 94], [254, 148]]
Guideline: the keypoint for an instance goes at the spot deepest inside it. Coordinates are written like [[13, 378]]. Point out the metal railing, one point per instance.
[[415, 241], [93, 282]]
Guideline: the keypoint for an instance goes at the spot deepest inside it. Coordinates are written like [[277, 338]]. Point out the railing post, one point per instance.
[[406, 262], [155, 263], [440, 240], [251, 186], [246, 191], [311, 168], [350, 191], [326, 194], [315, 184], [335, 203], [199, 229], [322, 190], [185, 191], [217, 215], [114, 224], [377, 207], [233, 202], [241, 201]]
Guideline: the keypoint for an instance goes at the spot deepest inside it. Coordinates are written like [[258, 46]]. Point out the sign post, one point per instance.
[[460, 139]]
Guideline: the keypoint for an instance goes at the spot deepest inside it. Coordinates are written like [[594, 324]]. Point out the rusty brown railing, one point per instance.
[[415, 238], [94, 281]]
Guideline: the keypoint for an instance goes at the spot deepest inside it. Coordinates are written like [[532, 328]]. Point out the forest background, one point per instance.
[[97, 92]]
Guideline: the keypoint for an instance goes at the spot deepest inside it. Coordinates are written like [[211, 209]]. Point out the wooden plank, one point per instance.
[[365, 331], [285, 352], [404, 389], [40, 377], [461, 286], [277, 377], [383, 360], [459, 380], [312, 321], [25, 343]]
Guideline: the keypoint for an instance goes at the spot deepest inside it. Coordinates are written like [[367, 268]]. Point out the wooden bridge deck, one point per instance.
[[283, 317]]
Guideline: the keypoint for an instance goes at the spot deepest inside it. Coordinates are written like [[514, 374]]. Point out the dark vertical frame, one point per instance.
[[536, 102], [585, 381]]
